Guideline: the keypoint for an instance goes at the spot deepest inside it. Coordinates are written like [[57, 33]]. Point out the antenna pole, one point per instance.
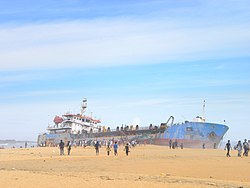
[[204, 105]]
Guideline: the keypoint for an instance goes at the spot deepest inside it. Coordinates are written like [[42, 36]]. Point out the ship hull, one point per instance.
[[193, 135], [189, 134]]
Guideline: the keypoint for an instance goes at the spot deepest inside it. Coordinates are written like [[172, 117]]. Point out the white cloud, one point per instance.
[[22, 77], [117, 42], [35, 94]]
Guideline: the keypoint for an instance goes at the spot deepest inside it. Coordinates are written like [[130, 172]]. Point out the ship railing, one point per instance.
[[143, 128], [54, 127], [134, 129]]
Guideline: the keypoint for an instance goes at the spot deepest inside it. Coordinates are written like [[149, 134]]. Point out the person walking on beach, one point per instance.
[[214, 145], [203, 146], [69, 147], [170, 144], [181, 145], [97, 148], [228, 147], [61, 146], [115, 148], [175, 144], [239, 148], [126, 149], [108, 149], [246, 148]]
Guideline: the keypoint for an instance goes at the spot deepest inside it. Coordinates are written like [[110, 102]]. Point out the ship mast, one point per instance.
[[203, 111], [84, 106]]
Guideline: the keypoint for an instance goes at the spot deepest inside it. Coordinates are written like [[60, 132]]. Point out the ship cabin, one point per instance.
[[81, 123], [75, 124]]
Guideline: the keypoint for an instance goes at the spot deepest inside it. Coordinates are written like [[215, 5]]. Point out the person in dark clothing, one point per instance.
[[246, 148], [69, 147], [203, 146], [228, 147], [170, 144], [181, 145], [176, 144], [108, 149], [61, 146], [214, 145], [97, 148], [126, 149], [173, 145]]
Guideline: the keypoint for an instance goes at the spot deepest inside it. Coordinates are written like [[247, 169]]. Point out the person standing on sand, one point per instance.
[[239, 148], [115, 148], [69, 147], [203, 146], [181, 145], [214, 145], [61, 146], [97, 148], [176, 144], [170, 144], [228, 147], [126, 149], [246, 148], [108, 149]]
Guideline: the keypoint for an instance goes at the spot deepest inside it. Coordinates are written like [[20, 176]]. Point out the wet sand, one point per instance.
[[146, 166]]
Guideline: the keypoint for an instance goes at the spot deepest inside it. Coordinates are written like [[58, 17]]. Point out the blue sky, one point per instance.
[[136, 62]]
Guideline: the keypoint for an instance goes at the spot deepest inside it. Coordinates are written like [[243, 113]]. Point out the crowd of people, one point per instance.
[[114, 145], [111, 144], [174, 144], [239, 147]]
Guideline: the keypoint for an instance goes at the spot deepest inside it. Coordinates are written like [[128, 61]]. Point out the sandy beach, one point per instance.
[[146, 166]]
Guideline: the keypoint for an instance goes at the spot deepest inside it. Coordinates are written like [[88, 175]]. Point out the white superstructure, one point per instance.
[[75, 123]]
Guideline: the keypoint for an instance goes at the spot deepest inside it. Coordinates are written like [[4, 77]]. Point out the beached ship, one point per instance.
[[81, 129]]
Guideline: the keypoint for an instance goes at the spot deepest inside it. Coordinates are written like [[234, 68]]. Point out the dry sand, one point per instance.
[[146, 166]]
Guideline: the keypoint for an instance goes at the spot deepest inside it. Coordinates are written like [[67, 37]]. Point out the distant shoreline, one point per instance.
[[10, 143]]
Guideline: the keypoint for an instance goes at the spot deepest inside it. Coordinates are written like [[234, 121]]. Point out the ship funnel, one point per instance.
[[84, 106]]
